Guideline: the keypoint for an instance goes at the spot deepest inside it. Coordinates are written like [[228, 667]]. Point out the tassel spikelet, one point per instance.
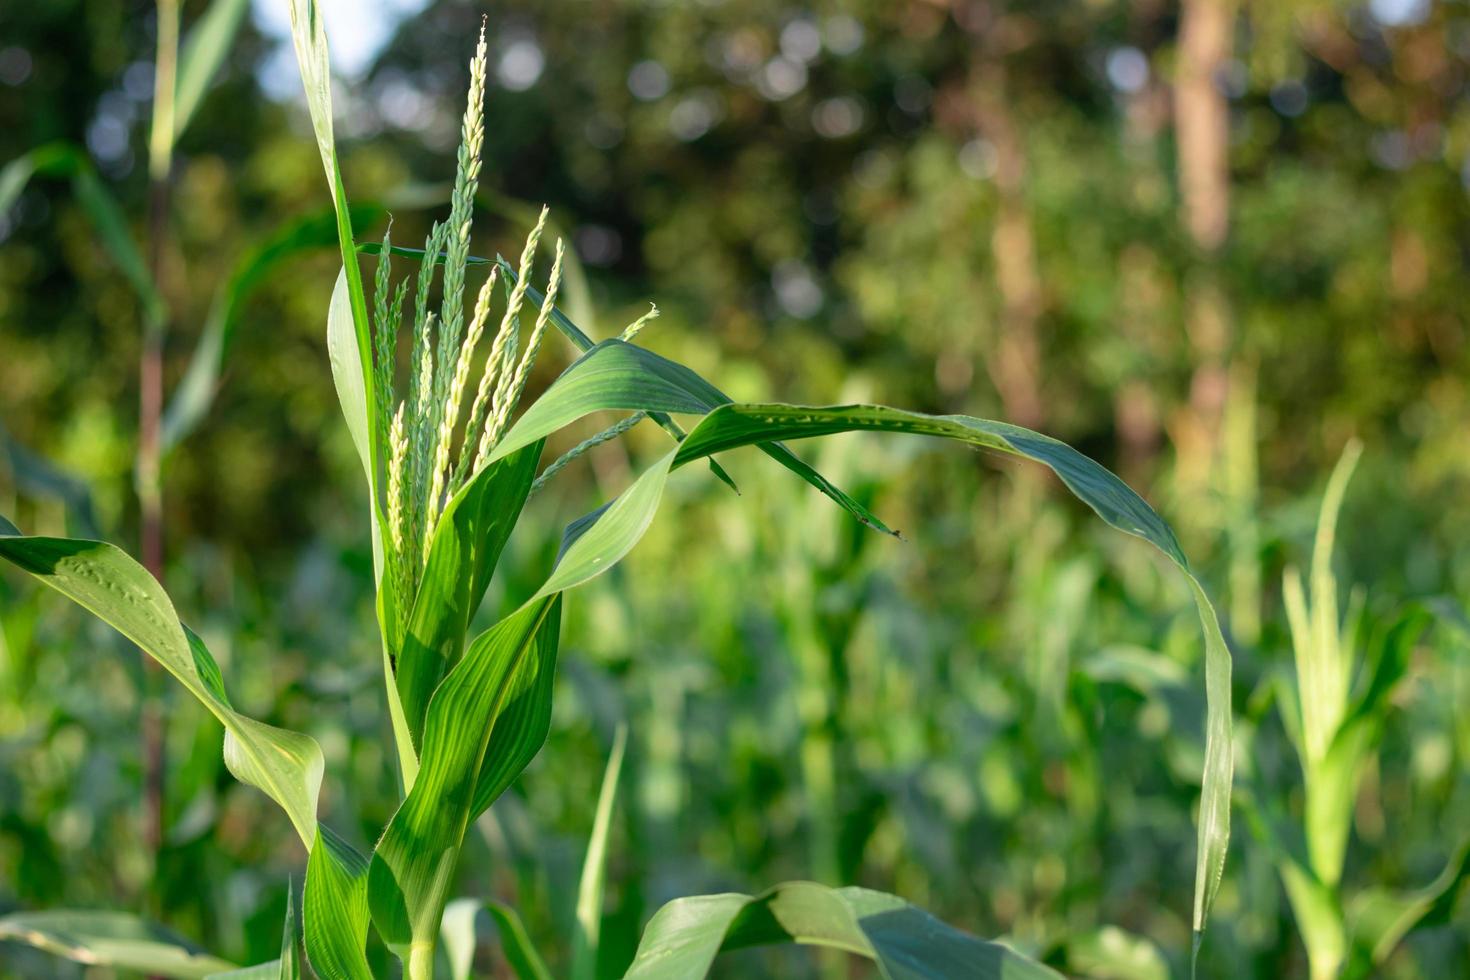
[[523, 369], [455, 399], [421, 388], [510, 326], [591, 442], [636, 327], [461, 208], [397, 456], [423, 467], [385, 336]]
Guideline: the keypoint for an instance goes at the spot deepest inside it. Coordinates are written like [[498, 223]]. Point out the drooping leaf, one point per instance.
[[286, 765], [684, 937], [610, 537], [412, 866], [111, 939], [594, 867]]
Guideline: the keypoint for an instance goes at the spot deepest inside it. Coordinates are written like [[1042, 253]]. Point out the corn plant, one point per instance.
[[1335, 706], [449, 461]]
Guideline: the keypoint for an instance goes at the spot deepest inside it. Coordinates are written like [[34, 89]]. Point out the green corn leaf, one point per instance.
[[290, 961], [457, 931], [520, 729], [110, 939], [466, 546], [204, 50], [308, 34], [607, 540], [584, 343], [615, 375], [905, 942], [196, 390], [353, 377], [335, 910], [286, 765], [594, 868], [412, 868]]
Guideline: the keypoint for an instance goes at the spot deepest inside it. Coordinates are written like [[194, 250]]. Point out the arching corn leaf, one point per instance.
[[907, 943], [111, 939], [611, 378], [286, 765], [615, 375]]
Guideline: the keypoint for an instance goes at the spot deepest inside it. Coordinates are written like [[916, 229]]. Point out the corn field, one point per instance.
[[436, 612]]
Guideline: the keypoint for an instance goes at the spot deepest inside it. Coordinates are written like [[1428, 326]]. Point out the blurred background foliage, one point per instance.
[[1208, 242]]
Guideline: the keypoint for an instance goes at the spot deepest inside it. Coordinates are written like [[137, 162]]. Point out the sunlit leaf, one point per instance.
[[684, 937], [613, 377], [412, 866]]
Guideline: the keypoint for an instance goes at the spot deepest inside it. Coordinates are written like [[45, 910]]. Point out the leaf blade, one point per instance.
[[907, 943]]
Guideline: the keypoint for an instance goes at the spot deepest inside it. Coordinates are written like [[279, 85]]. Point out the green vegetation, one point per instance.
[[1005, 718]]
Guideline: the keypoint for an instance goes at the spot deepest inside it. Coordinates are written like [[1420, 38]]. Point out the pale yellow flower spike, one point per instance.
[[636, 327], [453, 402], [523, 370], [397, 458], [509, 323]]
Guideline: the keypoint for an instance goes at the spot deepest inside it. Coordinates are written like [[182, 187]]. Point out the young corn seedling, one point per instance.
[[1334, 708], [449, 460]]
